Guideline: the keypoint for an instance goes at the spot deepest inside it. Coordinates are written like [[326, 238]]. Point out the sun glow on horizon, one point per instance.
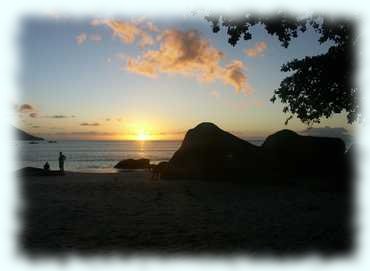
[[143, 136]]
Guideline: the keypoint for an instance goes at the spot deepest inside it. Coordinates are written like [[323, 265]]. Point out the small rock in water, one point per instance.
[[133, 164]]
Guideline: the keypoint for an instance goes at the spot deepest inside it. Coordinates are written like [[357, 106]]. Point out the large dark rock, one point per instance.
[[133, 164], [293, 154], [209, 152]]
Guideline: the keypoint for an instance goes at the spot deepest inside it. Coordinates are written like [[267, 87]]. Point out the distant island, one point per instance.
[[22, 135]]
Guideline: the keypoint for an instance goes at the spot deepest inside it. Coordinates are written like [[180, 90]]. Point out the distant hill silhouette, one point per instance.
[[22, 135]]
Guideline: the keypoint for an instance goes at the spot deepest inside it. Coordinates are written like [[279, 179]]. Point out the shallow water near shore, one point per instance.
[[92, 156]]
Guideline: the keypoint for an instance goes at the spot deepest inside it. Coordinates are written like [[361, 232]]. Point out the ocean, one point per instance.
[[93, 156]]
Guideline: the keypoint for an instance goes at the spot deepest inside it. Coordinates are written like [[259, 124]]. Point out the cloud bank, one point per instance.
[[184, 53], [60, 116], [90, 124], [128, 32], [85, 133], [83, 37], [187, 53]]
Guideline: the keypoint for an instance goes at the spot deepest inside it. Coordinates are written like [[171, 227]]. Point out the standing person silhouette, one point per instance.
[[62, 158], [47, 166]]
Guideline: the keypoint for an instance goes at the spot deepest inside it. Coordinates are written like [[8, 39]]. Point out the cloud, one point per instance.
[[95, 37], [81, 38], [215, 93], [181, 52], [32, 113], [127, 32], [257, 50], [151, 27], [60, 116], [234, 75], [85, 133], [90, 124], [327, 131], [187, 53], [55, 128], [107, 119], [25, 108]]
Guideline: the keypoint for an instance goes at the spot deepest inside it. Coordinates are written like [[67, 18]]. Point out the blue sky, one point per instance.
[[87, 82]]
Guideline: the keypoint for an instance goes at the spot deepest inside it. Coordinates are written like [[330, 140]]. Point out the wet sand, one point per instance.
[[128, 213]]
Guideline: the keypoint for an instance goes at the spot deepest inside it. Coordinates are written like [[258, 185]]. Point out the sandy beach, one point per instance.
[[124, 213]]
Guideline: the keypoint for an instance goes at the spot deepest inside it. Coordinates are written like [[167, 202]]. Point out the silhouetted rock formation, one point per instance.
[[133, 164], [22, 135], [209, 152], [294, 154]]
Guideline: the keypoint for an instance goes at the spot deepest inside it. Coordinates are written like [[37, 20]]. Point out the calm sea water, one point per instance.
[[93, 156]]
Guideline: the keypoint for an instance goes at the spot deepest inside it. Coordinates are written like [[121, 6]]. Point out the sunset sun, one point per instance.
[[142, 136]]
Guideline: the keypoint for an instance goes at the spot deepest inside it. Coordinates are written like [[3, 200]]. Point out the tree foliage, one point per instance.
[[317, 86]]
